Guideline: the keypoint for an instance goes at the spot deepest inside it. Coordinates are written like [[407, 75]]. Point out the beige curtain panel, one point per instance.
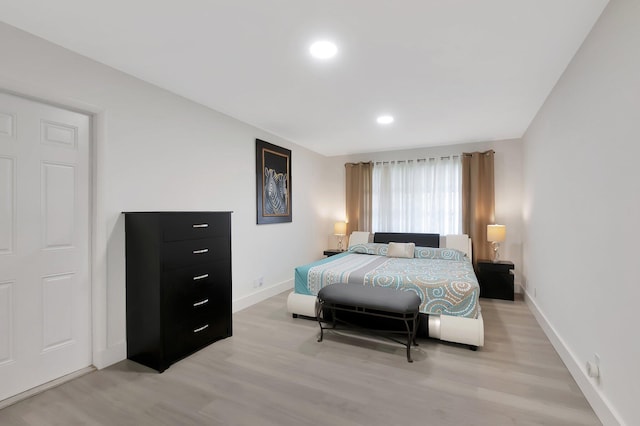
[[358, 196], [478, 200]]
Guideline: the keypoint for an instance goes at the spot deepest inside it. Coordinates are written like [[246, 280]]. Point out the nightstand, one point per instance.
[[496, 279], [332, 252]]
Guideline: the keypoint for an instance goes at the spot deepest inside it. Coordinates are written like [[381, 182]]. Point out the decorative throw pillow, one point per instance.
[[439, 253], [401, 250], [370, 248]]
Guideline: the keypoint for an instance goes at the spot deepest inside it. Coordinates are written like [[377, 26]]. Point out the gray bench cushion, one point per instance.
[[378, 298]]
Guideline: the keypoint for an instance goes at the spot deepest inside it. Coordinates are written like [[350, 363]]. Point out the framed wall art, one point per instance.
[[273, 183]]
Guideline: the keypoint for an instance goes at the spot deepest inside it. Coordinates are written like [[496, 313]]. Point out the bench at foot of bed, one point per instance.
[[466, 331], [378, 302]]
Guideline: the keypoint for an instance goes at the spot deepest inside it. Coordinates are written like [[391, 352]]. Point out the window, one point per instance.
[[418, 196]]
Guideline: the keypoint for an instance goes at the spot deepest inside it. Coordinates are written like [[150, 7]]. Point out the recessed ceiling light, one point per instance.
[[385, 119], [323, 49]]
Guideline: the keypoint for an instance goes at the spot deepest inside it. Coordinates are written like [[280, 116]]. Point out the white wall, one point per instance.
[[581, 211], [508, 185], [157, 151]]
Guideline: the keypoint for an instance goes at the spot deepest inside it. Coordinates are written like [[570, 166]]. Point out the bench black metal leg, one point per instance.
[[409, 339], [319, 317], [416, 323]]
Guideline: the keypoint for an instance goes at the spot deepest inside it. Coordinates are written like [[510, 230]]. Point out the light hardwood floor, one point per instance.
[[274, 372]]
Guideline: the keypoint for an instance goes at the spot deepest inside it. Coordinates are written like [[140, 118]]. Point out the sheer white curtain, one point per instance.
[[418, 196]]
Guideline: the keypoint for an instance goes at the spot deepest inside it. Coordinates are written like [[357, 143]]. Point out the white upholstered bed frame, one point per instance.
[[467, 331]]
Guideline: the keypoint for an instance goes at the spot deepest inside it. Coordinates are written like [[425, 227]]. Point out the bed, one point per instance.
[[443, 277]]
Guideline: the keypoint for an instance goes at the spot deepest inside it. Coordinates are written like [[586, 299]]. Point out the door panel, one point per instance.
[[45, 300], [56, 318], [58, 204]]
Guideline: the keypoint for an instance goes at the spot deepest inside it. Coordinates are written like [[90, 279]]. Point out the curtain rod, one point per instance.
[[446, 157], [469, 154], [356, 164]]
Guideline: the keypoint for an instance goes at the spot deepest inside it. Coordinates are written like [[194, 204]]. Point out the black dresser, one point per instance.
[[496, 279], [178, 284]]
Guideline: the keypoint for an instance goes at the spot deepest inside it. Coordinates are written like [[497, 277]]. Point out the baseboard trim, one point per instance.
[[44, 387], [600, 404], [260, 295]]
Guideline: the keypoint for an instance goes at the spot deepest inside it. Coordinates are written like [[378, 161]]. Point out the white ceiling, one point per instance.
[[450, 71]]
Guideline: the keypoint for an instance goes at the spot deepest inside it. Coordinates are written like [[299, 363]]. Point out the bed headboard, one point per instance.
[[421, 240]]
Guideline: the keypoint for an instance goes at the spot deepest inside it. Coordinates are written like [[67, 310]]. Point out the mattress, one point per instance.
[[446, 284]]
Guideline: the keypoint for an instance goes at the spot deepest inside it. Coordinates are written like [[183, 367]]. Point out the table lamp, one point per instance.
[[495, 235], [340, 230]]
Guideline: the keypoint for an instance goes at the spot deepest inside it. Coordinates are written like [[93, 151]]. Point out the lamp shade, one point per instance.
[[340, 228], [496, 233]]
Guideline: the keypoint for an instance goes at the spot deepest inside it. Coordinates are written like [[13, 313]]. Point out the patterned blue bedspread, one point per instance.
[[445, 286]]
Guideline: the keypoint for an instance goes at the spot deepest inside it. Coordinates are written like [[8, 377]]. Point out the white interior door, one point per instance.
[[44, 244]]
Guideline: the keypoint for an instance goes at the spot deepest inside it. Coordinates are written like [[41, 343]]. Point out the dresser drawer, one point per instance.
[[181, 254], [185, 282], [193, 335], [190, 226], [187, 307]]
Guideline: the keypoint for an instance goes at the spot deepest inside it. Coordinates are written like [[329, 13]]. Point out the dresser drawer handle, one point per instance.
[[198, 330], [201, 251], [201, 277], [200, 225], [200, 303]]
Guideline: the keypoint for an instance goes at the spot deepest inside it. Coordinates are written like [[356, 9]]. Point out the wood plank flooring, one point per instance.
[[274, 372]]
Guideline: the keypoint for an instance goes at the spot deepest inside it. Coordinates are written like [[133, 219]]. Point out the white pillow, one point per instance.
[[401, 250], [358, 237]]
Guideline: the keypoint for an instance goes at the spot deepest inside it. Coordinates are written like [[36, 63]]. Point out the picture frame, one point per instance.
[[273, 183]]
